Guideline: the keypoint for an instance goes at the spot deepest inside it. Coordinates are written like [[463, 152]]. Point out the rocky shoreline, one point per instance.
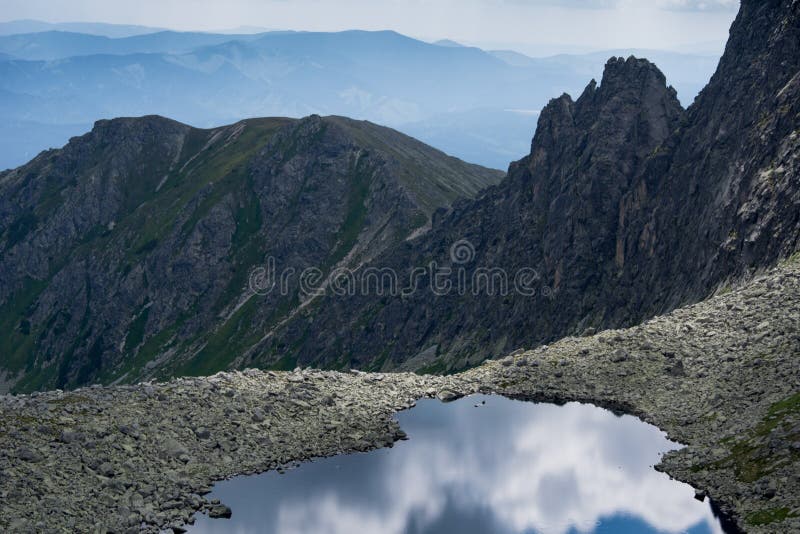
[[722, 377]]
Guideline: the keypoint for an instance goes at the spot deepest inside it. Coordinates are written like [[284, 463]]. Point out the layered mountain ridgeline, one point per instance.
[[212, 79], [15, 27], [60, 44], [478, 105], [627, 206], [135, 242]]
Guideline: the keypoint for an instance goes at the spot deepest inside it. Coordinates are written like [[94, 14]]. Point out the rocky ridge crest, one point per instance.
[[129, 251]]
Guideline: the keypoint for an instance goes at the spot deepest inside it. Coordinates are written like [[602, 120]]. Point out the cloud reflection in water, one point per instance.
[[506, 467]]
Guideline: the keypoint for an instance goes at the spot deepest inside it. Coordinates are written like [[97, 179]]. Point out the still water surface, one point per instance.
[[503, 467]]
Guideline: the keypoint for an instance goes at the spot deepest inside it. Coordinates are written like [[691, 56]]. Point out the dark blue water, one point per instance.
[[505, 467]]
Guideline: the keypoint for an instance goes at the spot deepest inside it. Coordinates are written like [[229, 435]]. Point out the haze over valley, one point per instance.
[[481, 106]]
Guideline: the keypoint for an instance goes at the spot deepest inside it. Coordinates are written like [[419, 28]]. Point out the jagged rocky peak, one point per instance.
[[726, 187], [760, 63], [765, 31], [634, 76], [629, 113]]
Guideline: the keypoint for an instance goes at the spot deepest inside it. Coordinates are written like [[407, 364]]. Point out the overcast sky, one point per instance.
[[531, 26]]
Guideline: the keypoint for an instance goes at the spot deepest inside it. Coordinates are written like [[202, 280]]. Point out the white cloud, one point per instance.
[[544, 468]]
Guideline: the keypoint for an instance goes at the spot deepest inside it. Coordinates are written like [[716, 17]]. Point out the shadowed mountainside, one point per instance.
[[136, 241]]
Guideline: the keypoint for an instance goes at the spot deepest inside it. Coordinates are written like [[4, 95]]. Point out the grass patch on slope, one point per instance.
[[17, 342], [751, 460]]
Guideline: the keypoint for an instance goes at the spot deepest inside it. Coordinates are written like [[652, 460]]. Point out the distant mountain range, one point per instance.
[[53, 45], [92, 28], [55, 84]]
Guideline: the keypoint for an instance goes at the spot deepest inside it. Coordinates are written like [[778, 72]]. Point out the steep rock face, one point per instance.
[[627, 207], [40, 224], [722, 197], [132, 247]]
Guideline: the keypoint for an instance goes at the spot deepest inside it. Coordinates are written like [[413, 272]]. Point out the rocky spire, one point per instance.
[[722, 192], [601, 138]]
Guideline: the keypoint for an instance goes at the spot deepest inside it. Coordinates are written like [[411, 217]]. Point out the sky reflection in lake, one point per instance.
[[505, 467]]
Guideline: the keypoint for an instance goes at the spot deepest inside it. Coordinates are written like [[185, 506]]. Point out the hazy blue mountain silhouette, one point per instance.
[[51, 45], [92, 28], [474, 104]]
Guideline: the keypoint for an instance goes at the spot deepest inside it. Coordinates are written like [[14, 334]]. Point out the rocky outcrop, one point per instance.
[[627, 207], [128, 252], [720, 377]]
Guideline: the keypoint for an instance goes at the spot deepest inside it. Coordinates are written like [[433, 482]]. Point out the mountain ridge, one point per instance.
[[58, 44], [142, 233], [15, 27]]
